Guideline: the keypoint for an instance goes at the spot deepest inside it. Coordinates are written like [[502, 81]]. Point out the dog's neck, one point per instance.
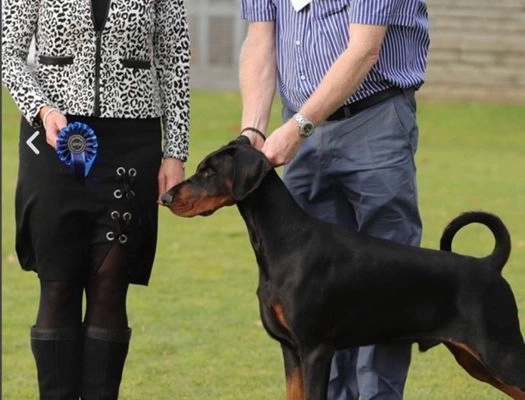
[[263, 212], [266, 204]]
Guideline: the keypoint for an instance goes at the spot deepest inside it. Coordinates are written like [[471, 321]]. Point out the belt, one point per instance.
[[349, 110]]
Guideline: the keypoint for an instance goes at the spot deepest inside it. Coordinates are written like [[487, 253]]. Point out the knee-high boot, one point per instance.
[[58, 355], [105, 352]]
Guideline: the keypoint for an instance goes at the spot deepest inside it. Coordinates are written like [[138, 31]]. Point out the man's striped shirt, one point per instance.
[[309, 41]]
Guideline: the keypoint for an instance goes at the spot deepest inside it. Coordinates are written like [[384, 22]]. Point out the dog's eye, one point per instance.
[[207, 172]]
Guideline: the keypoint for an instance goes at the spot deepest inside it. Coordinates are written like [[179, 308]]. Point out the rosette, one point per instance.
[[77, 147]]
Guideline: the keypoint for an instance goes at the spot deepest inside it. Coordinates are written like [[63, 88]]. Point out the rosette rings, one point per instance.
[[77, 147]]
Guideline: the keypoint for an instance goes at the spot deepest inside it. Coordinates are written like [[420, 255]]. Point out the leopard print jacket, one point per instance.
[[137, 66]]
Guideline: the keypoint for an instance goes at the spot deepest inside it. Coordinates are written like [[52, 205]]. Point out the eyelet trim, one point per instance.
[[122, 215]]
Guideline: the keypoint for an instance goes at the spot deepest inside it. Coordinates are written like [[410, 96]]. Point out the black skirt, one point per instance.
[[65, 226]]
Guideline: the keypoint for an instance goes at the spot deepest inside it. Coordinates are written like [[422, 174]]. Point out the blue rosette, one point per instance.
[[77, 147]]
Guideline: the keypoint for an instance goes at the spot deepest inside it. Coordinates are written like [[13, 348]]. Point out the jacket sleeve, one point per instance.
[[172, 61], [19, 22]]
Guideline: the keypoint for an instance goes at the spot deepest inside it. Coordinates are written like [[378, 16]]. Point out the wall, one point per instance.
[[477, 50], [216, 32]]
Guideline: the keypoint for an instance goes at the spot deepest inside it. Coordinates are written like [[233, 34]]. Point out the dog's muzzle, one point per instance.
[[167, 199]]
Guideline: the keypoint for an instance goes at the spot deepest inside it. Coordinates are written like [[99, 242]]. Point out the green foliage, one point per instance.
[[196, 329]]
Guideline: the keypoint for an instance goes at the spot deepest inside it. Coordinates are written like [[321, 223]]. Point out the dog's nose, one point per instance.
[[166, 198]]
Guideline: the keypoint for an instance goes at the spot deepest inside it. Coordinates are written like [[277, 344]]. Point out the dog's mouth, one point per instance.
[[186, 201], [183, 208], [184, 211]]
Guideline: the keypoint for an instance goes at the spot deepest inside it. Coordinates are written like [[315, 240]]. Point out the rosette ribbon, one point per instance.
[[77, 147]]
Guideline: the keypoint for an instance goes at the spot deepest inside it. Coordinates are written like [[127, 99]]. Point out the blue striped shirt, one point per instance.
[[309, 41]]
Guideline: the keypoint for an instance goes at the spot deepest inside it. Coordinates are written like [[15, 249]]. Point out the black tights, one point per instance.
[[106, 290]]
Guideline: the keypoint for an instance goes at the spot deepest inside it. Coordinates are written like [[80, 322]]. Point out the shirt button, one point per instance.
[[303, 77], [297, 42]]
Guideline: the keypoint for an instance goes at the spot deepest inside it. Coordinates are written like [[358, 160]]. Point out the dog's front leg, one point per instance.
[[293, 373], [316, 372]]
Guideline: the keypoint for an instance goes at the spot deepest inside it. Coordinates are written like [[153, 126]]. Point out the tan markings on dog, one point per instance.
[[201, 201], [278, 310], [295, 385], [189, 203], [211, 203], [475, 366], [229, 183]]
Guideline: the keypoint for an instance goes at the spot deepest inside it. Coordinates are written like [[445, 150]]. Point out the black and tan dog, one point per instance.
[[315, 281]]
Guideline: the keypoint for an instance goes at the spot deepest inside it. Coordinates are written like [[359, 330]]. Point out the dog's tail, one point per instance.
[[502, 246]]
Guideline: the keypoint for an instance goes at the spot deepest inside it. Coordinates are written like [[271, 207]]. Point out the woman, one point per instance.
[[121, 68]]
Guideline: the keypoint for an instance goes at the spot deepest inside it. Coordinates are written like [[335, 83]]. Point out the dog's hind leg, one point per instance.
[[477, 368]]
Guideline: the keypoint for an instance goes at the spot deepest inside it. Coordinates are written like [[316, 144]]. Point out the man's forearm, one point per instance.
[[257, 75], [346, 74]]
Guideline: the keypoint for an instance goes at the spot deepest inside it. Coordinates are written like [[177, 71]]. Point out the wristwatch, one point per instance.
[[306, 127]]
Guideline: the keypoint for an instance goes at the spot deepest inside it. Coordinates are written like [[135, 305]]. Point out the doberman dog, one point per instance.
[[315, 279]]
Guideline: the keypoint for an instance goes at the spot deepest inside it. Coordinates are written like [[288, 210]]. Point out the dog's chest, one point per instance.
[[267, 292], [273, 309]]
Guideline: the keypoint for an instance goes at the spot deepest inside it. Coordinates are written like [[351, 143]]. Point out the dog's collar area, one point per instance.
[[252, 129]]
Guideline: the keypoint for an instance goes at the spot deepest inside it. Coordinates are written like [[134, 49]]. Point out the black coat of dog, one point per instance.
[[315, 281]]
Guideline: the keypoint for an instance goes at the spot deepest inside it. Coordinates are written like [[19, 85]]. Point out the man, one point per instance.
[[347, 71]]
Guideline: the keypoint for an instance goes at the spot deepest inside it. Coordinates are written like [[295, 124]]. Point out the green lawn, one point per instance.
[[197, 333]]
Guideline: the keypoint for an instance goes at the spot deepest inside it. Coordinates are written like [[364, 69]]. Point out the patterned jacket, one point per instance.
[[137, 66]]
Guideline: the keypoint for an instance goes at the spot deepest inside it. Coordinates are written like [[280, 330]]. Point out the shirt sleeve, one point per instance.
[[258, 10], [19, 21], [172, 61], [383, 12]]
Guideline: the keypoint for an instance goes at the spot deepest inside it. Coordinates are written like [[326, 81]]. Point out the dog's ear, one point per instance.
[[250, 168], [241, 139], [229, 148]]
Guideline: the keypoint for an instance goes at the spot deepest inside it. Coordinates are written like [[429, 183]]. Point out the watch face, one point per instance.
[[308, 129]]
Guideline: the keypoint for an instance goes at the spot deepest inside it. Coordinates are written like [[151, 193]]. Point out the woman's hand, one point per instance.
[[171, 172], [53, 121]]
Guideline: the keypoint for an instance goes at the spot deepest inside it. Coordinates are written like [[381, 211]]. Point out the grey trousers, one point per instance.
[[360, 173]]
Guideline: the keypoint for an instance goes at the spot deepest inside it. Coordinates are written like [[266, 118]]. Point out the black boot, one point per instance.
[[105, 352], [58, 354]]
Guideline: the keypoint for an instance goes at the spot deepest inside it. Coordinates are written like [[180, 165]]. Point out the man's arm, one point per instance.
[[257, 77], [340, 82], [347, 72]]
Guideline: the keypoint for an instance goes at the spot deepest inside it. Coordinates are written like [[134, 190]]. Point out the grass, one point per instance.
[[196, 327]]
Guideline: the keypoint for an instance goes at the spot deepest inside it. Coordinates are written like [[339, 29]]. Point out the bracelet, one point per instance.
[[46, 115], [257, 131]]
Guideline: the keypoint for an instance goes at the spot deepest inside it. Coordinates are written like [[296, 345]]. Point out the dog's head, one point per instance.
[[223, 178]]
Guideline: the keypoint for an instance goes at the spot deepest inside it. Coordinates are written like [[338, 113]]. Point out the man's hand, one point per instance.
[[256, 140], [283, 143]]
